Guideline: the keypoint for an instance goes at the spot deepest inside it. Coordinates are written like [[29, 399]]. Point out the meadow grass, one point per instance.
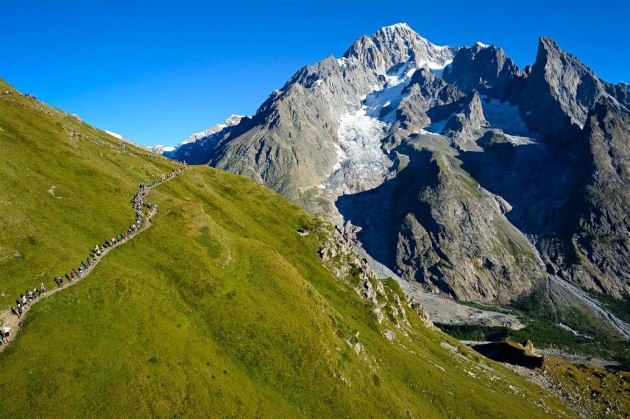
[[46, 232], [219, 310]]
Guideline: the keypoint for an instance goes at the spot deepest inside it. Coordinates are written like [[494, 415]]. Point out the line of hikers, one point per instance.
[[26, 298], [137, 203]]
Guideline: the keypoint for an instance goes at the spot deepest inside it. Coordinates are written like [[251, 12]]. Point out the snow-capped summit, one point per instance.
[[395, 26], [397, 44], [230, 122]]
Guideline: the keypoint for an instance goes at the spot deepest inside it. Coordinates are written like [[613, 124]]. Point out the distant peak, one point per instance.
[[548, 42], [400, 25]]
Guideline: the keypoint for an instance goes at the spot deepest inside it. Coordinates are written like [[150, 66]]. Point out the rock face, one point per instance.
[[427, 97], [454, 237], [393, 45], [487, 70], [602, 236], [559, 93], [453, 167], [291, 144], [466, 126]]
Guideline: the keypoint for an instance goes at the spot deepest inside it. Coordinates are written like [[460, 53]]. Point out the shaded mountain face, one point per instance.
[[451, 166], [602, 236], [486, 69]]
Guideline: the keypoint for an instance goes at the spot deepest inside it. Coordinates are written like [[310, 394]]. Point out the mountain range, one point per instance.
[[436, 172], [230, 302], [451, 166]]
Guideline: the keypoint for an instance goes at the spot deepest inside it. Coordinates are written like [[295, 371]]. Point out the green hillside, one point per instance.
[[220, 309]]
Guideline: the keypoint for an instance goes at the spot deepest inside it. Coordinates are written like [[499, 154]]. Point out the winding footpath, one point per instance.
[[10, 319]]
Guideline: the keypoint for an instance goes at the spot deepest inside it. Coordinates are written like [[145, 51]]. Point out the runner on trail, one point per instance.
[[42, 289]]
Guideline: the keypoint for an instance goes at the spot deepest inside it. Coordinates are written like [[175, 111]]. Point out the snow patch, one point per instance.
[[504, 116], [361, 162], [115, 135], [438, 72], [436, 127], [360, 137], [518, 140], [401, 25], [231, 121], [481, 44], [401, 74]]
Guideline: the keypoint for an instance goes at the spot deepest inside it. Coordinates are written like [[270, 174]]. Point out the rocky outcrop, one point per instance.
[[428, 98], [467, 126], [337, 251]]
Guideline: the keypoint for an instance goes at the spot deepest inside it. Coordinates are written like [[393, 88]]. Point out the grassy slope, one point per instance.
[[45, 235], [604, 392], [219, 310]]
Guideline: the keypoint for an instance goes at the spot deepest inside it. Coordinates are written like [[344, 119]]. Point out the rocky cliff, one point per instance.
[[454, 167]]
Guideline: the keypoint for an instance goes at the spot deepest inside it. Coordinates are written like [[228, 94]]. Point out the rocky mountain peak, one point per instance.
[[486, 69], [397, 44], [230, 122], [559, 92], [346, 137]]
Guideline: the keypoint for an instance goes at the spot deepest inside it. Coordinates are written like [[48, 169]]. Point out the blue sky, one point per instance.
[[157, 71]]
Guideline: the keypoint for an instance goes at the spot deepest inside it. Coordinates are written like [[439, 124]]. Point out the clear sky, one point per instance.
[[156, 71]]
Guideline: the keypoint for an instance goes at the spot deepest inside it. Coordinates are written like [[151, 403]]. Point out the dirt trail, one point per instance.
[[10, 319]]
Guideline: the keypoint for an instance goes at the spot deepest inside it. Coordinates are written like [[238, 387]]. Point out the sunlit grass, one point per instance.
[[219, 310]]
